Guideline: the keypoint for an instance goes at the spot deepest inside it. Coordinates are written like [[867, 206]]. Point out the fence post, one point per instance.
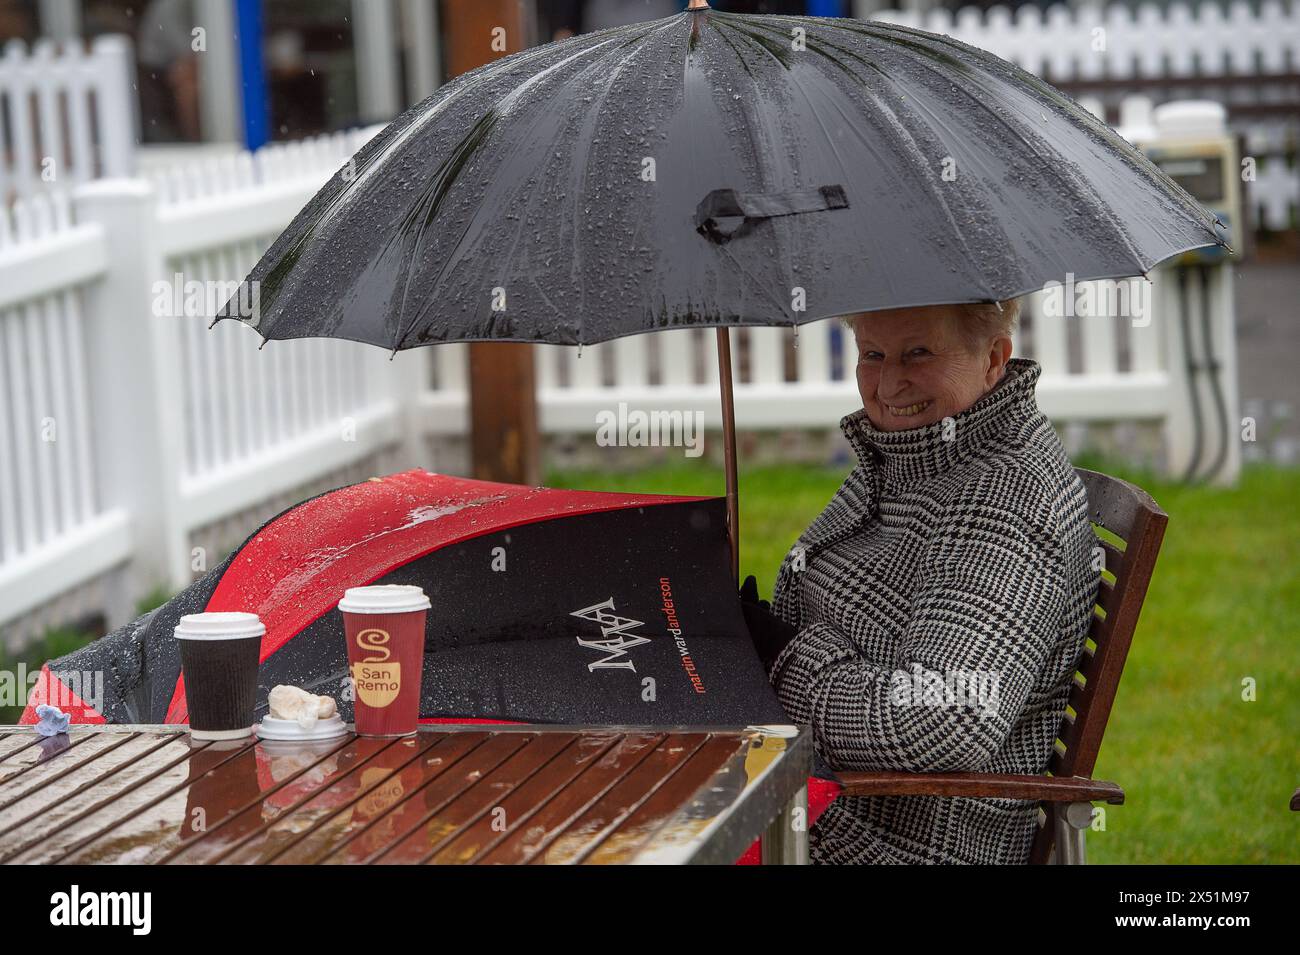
[[134, 382], [114, 66]]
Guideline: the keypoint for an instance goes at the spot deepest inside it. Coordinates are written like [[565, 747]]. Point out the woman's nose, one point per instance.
[[892, 379]]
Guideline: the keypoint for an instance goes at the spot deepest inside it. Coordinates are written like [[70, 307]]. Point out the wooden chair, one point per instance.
[[1130, 527]]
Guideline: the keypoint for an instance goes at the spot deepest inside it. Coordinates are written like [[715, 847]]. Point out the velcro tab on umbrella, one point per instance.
[[748, 206]]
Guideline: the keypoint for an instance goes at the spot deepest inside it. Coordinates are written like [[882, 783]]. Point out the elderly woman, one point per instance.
[[931, 617]]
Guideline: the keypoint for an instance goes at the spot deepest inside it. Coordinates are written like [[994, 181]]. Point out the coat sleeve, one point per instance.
[[984, 617]]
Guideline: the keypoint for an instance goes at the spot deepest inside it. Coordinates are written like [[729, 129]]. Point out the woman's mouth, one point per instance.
[[907, 411]]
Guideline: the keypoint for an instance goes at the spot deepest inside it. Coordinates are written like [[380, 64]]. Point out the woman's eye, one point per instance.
[[869, 356], [919, 352]]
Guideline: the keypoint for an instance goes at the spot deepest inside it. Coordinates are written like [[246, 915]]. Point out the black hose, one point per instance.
[[1189, 363], [1212, 365]]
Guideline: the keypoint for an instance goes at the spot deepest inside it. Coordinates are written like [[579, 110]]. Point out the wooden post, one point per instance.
[[504, 443]]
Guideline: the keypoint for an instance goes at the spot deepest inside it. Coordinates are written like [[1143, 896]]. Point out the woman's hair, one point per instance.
[[981, 322]]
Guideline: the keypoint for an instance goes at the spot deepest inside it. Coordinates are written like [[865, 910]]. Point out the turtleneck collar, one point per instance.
[[902, 457]]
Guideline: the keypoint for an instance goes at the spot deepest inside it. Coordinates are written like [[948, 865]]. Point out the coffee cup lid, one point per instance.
[[219, 626], [384, 598]]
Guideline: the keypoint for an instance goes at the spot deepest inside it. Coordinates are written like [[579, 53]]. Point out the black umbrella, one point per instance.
[[715, 169]]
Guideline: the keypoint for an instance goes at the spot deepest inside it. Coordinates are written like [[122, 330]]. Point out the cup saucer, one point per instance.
[[271, 728]]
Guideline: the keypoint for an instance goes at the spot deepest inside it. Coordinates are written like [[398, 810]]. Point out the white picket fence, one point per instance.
[[125, 424], [1241, 54], [1120, 41], [71, 114]]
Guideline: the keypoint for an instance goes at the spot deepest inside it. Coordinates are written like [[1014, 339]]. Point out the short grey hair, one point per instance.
[[981, 321]]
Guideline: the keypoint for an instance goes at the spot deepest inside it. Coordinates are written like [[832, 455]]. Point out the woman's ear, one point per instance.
[[999, 355]]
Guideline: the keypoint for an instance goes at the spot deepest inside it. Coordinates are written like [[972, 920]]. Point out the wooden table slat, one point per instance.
[[395, 792], [28, 803], [289, 790], [31, 776], [113, 790], [451, 805], [16, 743], [218, 764], [632, 832], [224, 779], [586, 832], [524, 802], [332, 807], [540, 794], [551, 819]]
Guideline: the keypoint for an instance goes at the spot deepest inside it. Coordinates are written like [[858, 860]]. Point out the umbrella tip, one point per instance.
[[264, 341]]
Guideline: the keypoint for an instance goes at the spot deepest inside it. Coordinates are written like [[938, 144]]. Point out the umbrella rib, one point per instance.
[[594, 114], [503, 107], [1080, 187], [1046, 89], [814, 112], [757, 154], [905, 134], [1079, 184]]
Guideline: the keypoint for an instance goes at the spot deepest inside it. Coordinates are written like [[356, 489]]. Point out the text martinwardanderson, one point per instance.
[[675, 629]]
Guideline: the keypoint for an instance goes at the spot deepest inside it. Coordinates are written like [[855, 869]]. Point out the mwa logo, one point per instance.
[[615, 638]]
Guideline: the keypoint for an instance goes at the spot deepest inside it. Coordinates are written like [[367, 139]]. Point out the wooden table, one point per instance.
[[449, 794]]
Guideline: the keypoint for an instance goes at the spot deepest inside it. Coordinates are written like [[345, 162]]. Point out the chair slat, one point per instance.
[[1113, 556], [1105, 594]]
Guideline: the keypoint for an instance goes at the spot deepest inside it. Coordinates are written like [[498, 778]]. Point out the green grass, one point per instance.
[[1207, 774]]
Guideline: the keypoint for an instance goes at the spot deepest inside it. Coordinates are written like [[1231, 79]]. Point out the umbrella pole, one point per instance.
[[729, 447]]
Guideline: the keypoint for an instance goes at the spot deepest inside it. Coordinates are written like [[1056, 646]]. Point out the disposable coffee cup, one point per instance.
[[384, 626], [219, 657]]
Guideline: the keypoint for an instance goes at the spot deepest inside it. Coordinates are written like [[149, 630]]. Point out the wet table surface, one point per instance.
[[449, 794]]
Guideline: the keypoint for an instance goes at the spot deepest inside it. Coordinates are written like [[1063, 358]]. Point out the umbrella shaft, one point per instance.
[[729, 448]]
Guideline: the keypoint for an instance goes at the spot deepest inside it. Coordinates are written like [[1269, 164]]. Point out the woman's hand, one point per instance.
[[769, 632]]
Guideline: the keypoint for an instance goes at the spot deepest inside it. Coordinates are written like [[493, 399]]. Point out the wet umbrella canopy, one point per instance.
[[715, 169]]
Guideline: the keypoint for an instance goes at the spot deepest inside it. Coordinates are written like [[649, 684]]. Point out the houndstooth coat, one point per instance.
[[941, 602]]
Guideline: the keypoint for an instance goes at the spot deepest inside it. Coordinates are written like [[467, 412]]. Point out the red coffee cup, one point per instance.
[[384, 625]]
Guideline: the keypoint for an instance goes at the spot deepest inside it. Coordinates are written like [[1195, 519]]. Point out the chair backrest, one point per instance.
[[1129, 527]]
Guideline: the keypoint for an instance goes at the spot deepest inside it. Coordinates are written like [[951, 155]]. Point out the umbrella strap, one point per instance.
[[748, 206]]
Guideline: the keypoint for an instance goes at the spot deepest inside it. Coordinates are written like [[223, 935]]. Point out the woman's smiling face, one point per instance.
[[916, 367]]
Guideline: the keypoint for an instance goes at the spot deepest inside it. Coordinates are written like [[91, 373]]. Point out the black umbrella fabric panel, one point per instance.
[[623, 616], [715, 168]]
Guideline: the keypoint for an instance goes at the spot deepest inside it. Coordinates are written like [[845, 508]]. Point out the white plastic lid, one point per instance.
[[231, 625], [1191, 119], [384, 598]]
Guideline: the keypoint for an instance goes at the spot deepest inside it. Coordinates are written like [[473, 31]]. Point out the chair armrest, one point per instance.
[[987, 785]]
